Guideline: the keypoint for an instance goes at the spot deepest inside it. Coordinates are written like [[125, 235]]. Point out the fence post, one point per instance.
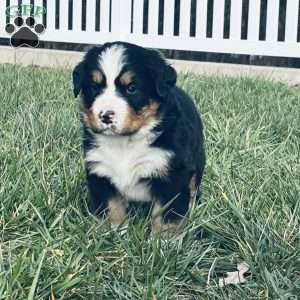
[[218, 19], [253, 21], [236, 20], [2, 18], [153, 20], [291, 21], [121, 19], [272, 20]]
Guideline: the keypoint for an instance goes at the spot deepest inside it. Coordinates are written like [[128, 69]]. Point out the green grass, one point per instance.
[[51, 248]]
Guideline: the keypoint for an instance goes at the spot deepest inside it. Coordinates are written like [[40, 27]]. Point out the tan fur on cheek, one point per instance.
[[135, 120], [90, 119], [116, 210]]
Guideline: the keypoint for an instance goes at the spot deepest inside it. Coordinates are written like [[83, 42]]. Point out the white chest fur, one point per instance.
[[125, 160]]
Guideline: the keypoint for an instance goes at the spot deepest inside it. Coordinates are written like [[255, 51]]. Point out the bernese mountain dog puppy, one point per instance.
[[143, 137]]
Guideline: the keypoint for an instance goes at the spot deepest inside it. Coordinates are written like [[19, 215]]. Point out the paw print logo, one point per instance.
[[24, 32]]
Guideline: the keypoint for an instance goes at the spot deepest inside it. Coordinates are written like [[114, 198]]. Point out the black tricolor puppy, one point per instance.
[[143, 137]]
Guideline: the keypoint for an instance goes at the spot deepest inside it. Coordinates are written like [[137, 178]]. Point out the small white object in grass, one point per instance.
[[235, 277], [122, 230]]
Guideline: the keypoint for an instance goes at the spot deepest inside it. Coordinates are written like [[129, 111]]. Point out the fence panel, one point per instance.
[[138, 9], [120, 21], [50, 17], [272, 20], [77, 16], [291, 26], [201, 19], [185, 18], [12, 4], [27, 3], [36, 3], [218, 19], [90, 15], [253, 20], [153, 17], [104, 15], [63, 15], [2, 17], [236, 19], [169, 9]]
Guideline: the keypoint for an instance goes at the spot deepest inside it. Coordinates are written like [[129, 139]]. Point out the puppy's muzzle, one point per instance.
[[106, 117]]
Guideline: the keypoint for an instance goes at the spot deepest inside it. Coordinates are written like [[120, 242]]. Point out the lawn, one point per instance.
[[52, 248]]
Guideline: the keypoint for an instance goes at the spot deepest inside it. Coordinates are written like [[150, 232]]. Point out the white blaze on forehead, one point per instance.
[[111, 62]]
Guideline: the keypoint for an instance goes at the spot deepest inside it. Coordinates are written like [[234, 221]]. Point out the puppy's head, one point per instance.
[[122, 87]]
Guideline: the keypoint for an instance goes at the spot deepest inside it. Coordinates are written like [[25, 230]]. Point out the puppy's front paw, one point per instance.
[[116, 211], [120, 229], [166, 229]]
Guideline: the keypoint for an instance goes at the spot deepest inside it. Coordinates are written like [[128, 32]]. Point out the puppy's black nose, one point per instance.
[[106, 117]]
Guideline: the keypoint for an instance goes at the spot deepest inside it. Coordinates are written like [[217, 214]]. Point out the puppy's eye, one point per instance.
[[131, 89]]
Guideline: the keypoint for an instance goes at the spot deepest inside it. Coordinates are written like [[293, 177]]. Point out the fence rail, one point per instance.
[[254, 27]]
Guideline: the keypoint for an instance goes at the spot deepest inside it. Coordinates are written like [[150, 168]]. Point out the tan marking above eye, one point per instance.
[[97, 76], [126, 78]]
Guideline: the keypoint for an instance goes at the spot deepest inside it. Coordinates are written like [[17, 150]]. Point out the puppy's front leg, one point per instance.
[[171, 204], [105, 199], [116, 210]]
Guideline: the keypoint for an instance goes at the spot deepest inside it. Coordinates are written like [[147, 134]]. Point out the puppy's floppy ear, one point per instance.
[[78, 74], [163, 75], [165, 80]]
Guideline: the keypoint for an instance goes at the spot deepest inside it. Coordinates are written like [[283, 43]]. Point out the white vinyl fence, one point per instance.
[[171, 24]]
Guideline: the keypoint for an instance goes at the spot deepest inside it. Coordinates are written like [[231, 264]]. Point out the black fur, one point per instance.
[[180, 128]]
